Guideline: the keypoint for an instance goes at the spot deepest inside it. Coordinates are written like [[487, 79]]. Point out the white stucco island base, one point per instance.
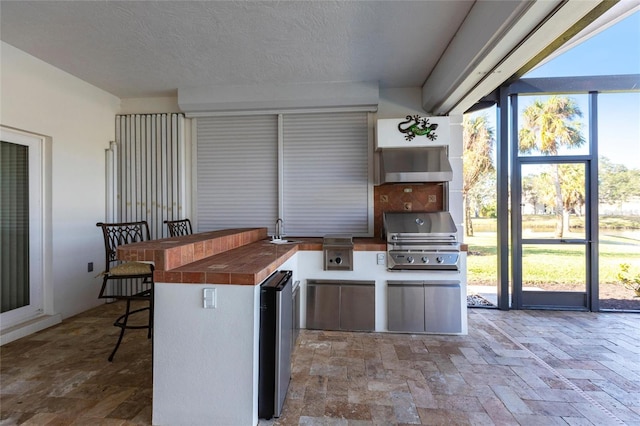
[[205, 361]]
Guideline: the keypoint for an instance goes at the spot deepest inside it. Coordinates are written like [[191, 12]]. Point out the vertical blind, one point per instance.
[[237, 172], [148, 164], [14, 226]]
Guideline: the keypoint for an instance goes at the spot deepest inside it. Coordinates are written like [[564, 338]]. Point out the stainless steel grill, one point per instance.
[[421, 241]]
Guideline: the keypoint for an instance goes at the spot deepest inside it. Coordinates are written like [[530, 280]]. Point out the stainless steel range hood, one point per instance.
[[424, 164]]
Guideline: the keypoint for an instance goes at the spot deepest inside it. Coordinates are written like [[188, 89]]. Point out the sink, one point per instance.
[[281, 241]]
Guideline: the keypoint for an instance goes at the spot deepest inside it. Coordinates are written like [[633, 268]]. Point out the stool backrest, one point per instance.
[[178, 228], [117, 234]]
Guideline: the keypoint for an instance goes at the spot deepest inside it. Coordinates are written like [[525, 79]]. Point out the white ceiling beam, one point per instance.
[[362, 95], [496, 40]]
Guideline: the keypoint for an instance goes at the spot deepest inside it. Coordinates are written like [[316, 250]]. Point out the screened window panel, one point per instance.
[[237, 172], [325, 173]]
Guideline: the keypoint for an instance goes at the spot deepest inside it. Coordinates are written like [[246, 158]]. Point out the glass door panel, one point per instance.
[[14, 226], [553, 201], [555, 248], [560, 267]]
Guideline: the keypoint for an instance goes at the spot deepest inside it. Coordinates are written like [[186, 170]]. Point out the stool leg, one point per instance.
[[122, 327]]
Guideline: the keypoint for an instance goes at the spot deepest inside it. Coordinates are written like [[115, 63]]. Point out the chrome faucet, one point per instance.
[[279, 229]]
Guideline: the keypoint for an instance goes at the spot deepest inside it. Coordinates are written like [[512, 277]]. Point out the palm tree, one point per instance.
[[546, 128], [477, 160]]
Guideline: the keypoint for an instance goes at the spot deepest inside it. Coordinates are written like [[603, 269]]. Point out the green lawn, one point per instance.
[[549, 264]]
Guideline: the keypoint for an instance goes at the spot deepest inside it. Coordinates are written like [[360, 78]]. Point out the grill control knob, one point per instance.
[[410, 259], [425, 259], [338, 260], [440, 259]]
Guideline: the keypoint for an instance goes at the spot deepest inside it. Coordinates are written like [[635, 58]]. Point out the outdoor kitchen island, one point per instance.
[[205, 360]]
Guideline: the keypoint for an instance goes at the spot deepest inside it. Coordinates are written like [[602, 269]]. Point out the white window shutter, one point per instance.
[[325, 173], [237, 172]]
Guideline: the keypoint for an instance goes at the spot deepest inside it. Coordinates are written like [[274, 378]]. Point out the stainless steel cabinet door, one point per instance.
[[323, 306], [442, 307], [405, 306], [358, 307]]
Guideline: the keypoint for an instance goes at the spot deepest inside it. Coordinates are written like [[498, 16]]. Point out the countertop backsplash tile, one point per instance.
[[426, 197]]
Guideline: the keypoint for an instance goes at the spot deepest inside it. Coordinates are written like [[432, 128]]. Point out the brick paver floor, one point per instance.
[[515, 367]]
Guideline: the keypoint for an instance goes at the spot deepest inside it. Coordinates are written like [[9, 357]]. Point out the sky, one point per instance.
[[615, 50]]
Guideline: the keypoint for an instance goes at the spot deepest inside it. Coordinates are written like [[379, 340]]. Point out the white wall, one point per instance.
[[79, 120], [455, 186], [159, 105], [398, 103]]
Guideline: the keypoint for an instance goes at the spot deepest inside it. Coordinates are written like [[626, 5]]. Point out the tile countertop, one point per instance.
[[242, 256]]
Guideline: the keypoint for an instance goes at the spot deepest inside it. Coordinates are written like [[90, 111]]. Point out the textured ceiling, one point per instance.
[[148, 48]]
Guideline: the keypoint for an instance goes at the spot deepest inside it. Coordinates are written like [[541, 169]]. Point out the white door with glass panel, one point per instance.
[[21, 241]]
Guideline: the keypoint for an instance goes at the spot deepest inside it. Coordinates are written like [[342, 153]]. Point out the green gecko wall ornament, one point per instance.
[[417, 126]]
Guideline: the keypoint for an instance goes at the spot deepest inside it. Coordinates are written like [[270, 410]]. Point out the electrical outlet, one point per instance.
[[380, 258], [209, 299], [90, 267]]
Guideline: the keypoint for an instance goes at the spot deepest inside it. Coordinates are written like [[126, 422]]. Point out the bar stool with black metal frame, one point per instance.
[[178, 228], [127, 281]]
